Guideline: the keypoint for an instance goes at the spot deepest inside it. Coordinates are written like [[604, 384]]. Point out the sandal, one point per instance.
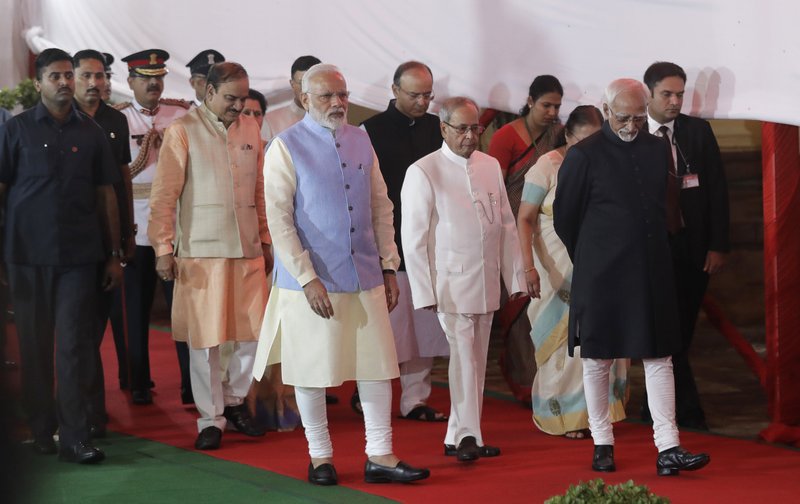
[[579, 434], [425, 413]]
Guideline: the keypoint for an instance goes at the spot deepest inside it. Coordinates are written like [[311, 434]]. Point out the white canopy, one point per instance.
[[742, 57]]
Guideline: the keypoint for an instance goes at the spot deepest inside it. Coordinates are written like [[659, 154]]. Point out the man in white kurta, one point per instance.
[[216, 246], [327, 320], [460, 238]]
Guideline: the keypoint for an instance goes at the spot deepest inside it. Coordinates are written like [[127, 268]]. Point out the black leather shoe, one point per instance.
[[187, 397], [45, 446], [208, 439], [603, 460], [97, 431], [81, 453], [485, 451], [468, 450], [142, 396], [671, 462], [401, 473], [323, 474], [240, 418]]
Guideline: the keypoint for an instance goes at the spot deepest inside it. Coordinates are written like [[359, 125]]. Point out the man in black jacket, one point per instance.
[[700, 245], [400, 135], [611, 212]]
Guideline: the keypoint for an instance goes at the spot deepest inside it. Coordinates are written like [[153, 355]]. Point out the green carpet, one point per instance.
[[140, 471]]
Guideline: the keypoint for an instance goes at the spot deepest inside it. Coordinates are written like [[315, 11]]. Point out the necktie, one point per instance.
[[674, 219]]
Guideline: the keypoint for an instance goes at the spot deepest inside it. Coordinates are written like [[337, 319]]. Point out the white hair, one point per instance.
[[625, 85], [451, 104], [316, 69]]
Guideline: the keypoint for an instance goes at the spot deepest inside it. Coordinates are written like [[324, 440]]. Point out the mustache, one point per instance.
[[154, 87]]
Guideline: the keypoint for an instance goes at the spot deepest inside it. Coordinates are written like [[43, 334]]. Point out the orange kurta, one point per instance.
[[207, 205]]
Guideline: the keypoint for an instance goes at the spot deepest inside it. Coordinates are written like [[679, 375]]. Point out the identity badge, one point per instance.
[[690, 180]]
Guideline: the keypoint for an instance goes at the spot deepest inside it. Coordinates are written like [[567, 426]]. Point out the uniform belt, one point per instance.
[[141, 191]]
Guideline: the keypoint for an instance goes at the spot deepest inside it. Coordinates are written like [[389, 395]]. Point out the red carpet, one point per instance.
[[533, 467]]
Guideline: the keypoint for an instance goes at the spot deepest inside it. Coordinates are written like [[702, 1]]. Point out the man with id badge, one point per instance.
[[699, 241]]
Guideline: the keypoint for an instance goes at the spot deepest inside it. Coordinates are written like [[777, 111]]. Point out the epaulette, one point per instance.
[[174, 101], [121, 106]]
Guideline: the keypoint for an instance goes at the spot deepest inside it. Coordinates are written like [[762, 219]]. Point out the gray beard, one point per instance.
[[325, 122], [626, 136]]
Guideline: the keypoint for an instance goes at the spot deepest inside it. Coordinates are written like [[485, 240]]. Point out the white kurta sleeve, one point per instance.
[[280, 185], [416, 199], [511, 265]]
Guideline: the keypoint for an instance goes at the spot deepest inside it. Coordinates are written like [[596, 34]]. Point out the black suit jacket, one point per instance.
[[705, 208]]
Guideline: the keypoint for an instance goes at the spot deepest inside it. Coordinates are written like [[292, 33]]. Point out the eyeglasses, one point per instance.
[[476, 129], [638, 120], [416, 96], [326, 97]]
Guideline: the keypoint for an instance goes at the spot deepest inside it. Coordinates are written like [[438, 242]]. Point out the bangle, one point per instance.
[[389, 272], [528, 270]]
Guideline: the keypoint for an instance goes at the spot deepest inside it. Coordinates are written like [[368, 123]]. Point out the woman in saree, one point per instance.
[[559, 406]]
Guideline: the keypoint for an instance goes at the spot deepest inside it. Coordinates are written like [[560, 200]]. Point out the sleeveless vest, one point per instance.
[[217, 214], [333, 211]]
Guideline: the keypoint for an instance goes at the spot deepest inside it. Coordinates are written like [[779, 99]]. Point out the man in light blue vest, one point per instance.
[[327, 319]]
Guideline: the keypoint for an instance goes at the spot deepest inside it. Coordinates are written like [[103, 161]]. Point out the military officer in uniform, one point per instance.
[[198, 67], [148, 116], [105, 93]]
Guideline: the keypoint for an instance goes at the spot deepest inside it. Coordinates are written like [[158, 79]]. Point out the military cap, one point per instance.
[[203, 61], [109, 61], [149, 63]]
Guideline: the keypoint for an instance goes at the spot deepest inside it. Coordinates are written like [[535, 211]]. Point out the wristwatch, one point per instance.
[[117, 253]]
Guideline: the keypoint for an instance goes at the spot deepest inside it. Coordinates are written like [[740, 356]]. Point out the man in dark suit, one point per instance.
[[700, 244]]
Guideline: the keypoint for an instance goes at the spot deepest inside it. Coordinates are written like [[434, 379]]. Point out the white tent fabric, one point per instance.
[[742, 57]]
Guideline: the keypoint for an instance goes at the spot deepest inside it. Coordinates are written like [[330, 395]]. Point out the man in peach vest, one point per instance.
[[210, 234]]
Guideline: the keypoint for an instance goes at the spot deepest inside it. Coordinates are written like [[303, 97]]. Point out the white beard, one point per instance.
[[627, 136], [327, 122]]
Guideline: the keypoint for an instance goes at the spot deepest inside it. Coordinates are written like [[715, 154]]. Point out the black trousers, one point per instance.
[[54, 309], [109, 304], [140, 285], [691, 283]]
